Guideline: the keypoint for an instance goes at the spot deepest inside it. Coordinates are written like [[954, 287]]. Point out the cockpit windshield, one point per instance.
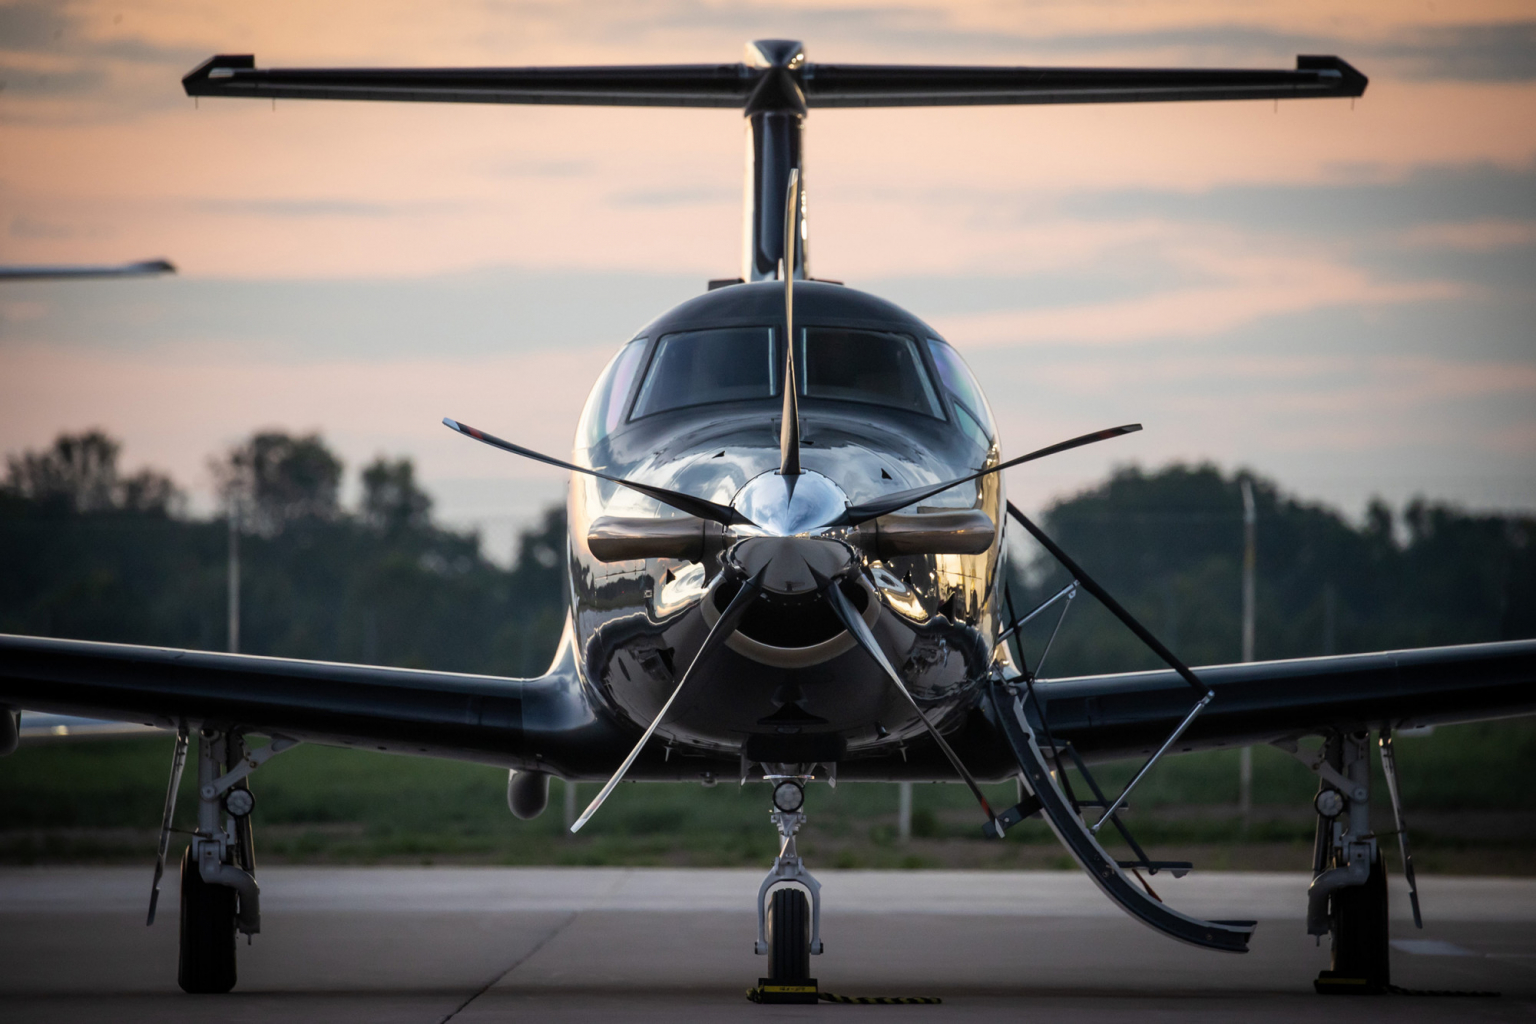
[[865, 366], [734, 364], [728, 364]]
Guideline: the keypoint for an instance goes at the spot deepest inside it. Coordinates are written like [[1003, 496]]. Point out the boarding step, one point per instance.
[[1176, 868], [1106, 872]]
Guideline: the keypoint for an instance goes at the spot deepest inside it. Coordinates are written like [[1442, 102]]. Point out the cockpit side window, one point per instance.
[[605, 405], [728, 364], [964, 393], [866, 366]]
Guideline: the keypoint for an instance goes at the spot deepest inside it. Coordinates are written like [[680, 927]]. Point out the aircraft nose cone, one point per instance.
[[790, 561], [784, 506]]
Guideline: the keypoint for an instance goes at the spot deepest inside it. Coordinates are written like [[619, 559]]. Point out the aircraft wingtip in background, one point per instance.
[[56, 272]]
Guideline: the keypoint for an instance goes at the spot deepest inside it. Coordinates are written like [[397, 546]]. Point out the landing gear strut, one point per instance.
[[1348, 895], [788, 932], [219, 894]]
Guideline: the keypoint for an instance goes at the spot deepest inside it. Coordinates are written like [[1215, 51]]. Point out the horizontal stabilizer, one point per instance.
[[797, 87], [660, 85], [895, 85]]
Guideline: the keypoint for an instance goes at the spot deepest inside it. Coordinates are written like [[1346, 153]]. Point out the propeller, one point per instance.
[[865, 511], [789, 429], [719, 633], [855, 624], [701, 507]]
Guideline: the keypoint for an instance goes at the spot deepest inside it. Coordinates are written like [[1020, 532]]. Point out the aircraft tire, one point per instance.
[[1361, 960], [789, 936], [207, 962]]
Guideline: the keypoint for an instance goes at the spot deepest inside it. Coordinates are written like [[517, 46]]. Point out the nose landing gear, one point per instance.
[[788, 932]]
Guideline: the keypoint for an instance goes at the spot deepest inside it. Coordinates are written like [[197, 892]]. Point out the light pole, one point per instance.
[[234, 574], [1250, 558]]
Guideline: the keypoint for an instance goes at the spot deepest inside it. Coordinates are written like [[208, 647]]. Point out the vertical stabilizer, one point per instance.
[[775, 112]]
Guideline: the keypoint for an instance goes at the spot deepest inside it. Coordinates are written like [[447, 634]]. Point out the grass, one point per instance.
[[100, 800]]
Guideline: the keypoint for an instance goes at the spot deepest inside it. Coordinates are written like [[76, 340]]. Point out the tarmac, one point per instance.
[[475, 945]]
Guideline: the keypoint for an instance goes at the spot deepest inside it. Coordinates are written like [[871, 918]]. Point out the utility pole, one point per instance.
[[904, 812], [1250, 558], [234, 574], [1330, 612], [570, 804]]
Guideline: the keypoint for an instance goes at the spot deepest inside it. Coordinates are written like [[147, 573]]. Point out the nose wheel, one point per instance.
[[789, 938], [788, 924]]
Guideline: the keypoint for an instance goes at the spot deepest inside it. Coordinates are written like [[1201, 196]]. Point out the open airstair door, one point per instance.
[[1227, 936]]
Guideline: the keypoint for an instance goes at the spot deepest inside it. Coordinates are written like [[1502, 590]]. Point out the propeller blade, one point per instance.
[[701, 507], [868, 510], [789, 429], [724, 626], [855, 624]]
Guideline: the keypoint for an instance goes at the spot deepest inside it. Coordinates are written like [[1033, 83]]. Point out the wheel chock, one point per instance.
[[770, 991], [1336, 983]]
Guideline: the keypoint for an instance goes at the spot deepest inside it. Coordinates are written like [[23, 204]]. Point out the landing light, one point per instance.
[[789, 796]]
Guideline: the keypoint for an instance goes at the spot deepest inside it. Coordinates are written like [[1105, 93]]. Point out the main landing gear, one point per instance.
[[1348, 895], [219, 894], [788, 931]]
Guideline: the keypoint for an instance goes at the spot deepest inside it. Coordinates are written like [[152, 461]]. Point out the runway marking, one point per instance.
[[546, 940]]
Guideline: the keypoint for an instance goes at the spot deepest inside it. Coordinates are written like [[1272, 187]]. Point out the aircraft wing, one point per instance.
[[46, 272], [1130, 714], [547, 721], [496, 720]]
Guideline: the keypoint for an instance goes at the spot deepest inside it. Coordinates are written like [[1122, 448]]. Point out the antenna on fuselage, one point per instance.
[[789, 429]]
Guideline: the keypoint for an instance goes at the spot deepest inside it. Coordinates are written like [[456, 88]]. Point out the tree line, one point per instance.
[[90, 551], [1169, 545]]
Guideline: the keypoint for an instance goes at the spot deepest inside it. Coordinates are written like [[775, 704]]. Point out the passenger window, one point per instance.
[[970, 404], [730, 364], [866, 366], [605, 405]]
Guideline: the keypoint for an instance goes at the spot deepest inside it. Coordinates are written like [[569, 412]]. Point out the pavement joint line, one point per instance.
[[546, 940]]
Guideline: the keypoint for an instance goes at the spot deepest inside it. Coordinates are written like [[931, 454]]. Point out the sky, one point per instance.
[[1338, 295]]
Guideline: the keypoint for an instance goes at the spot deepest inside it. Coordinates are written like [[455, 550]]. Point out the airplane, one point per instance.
[[787, 565], [67, 271]]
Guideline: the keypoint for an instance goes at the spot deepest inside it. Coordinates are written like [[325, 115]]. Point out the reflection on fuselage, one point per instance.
[[691, 404]]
